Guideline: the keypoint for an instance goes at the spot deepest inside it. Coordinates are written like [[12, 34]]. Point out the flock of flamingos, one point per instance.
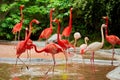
[[61, 45]]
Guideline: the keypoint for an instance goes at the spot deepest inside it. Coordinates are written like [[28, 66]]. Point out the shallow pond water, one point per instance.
[[74, 71], [41, 69]]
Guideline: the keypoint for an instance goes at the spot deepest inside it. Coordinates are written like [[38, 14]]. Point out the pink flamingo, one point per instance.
[[46, 33], [112, 39], [96, 45], [29, 41], [77, 35], [53, 49], [66, 32], [65, 44], [83, 46], [18, 26], [24, 44]]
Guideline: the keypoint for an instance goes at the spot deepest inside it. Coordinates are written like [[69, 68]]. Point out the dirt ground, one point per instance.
[[9, 51]]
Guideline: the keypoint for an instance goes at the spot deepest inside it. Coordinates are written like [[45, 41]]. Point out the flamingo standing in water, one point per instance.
[[112, 39], [29, 42], [53, 49], [83, 46], [46, 33], [18, 26], [23, 45], [65, 44], [95, 45], [66, 32]]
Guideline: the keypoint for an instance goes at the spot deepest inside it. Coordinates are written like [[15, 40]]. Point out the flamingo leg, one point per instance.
[[46, 42], [18, 35], [53, 56], [83, 60], [92, 58], [92, 61], [27, 55], [16, 62], [15, 36], [23, 63], [30, 56], [113, 56], [66, 59]]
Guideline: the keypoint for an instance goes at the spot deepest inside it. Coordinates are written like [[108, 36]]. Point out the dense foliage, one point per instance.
[[87, 16]]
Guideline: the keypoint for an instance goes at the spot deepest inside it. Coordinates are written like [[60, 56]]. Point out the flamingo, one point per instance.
[[77, 35], [66, 32], [112, 39], [29, 41], [53, 49], [46, 33], [18, 26], [83, 46], [65, 44], [96, 45], [23, 45]]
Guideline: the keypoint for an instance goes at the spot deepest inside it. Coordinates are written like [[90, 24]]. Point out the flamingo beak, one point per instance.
[[53, 9], [54, 20], [104, 17], [22, 6]]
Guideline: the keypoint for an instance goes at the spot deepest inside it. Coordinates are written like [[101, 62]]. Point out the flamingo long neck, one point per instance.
[[58, 32], [21, 14], [38, 51], [70, 19], [30, 30], [102, 34], [106, 31], [26, 32], [51, 18], [85, 41]]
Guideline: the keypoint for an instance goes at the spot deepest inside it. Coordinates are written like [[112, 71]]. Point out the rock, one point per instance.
[[53, 38], [114, 74]]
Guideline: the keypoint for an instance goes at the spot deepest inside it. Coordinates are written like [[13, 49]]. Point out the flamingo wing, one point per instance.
[[94, 46], [17, 27], [66, 32], [53, 48], [46, 33], [112, 39]]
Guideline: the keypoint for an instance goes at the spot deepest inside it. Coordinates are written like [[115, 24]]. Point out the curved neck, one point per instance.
[[26, 32], [38, 51], [70, 19], [85, 41], [21, 14], [29, 34], [58, 31], [106, 30], [102, 34]]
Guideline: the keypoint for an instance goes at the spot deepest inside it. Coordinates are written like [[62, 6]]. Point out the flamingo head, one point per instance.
[[105, 17], [86, 38], [21, 7], [71, 8], [77, 35], [53, 9], [56, 20], [35, 21], [104, 26]]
